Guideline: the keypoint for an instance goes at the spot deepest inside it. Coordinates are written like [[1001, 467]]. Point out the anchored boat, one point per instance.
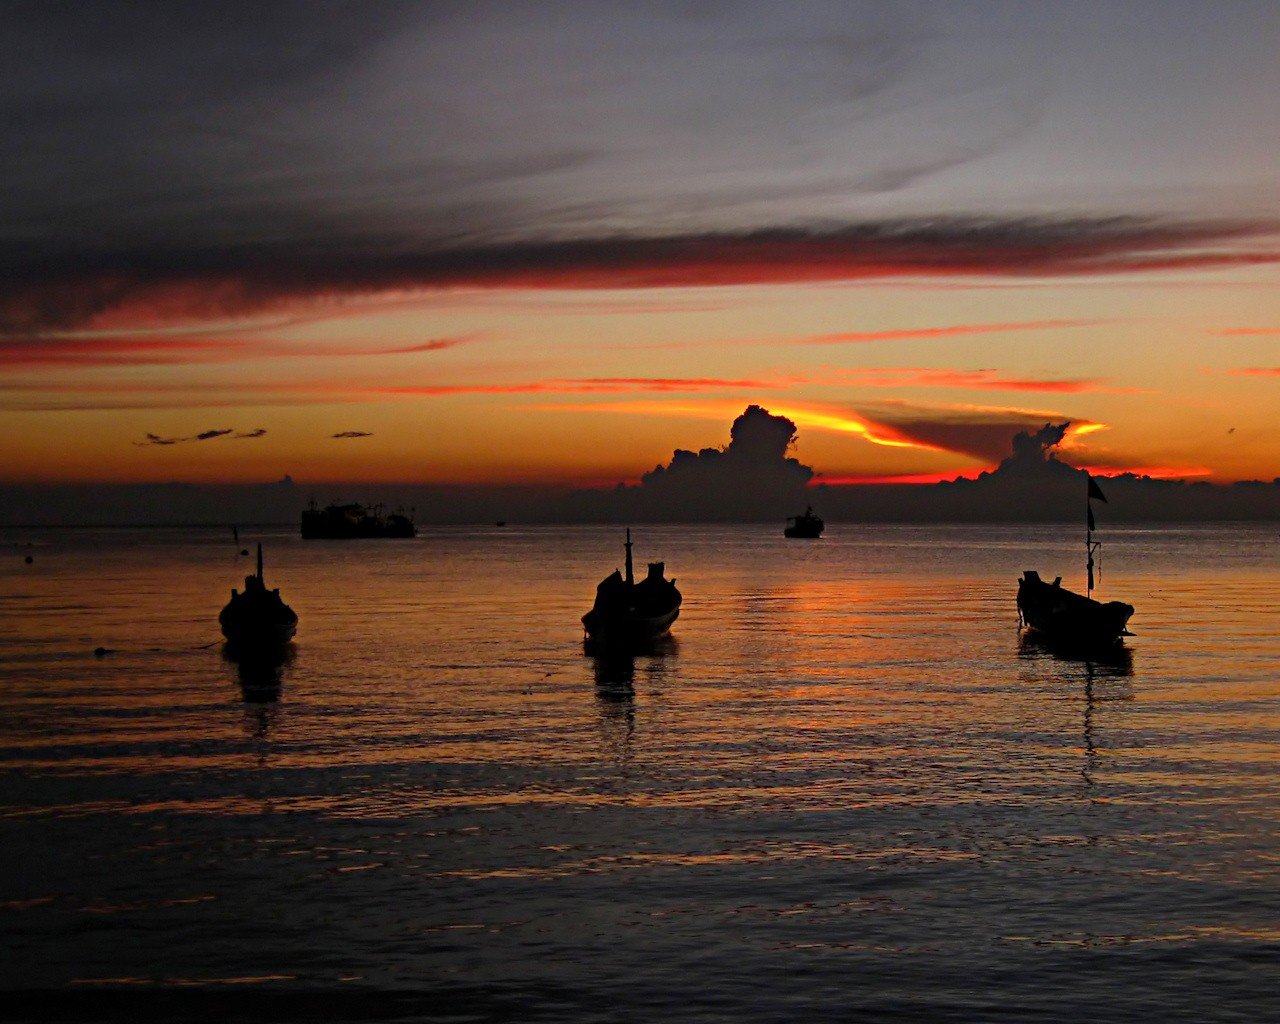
[[347, 522], [808, 525], [1067, 618], [627, 613], [258, 619]]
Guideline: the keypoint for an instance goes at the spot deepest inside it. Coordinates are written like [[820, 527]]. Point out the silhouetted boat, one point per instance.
[[627, 613], [348, 522], [1068, 619], [807, 525], [257, 620]]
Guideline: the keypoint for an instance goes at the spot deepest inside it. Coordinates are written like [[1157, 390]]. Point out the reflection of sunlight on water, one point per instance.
[[851, 733]]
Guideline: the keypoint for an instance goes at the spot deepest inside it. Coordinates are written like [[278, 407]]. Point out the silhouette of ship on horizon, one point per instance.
[[353, 521], [629, 615], [257, 621], [808, 526], [1069, 620]]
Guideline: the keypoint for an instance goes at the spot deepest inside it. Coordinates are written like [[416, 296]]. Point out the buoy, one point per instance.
[[28, 559]]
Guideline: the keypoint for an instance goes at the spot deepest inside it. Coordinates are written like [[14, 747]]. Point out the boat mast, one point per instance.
[[631, 578], [259, 561], [1090, 545]]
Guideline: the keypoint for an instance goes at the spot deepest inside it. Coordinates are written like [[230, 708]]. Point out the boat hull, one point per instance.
[[256, 636], [627, 629], [1068, 618], [258, 622], [354, 522], [805, 527]]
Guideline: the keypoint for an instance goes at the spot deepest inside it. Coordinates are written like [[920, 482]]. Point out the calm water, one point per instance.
[[844, 791]]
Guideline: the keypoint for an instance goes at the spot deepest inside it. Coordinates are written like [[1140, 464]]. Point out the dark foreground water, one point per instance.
[[845, 790]]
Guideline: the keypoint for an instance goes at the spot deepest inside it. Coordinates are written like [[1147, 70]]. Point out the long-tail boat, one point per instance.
[[630, 613], [258, 619], [1067, 618]]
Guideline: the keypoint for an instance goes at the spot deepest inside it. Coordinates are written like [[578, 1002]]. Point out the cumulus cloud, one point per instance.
[[753, 477], [1033, 449]]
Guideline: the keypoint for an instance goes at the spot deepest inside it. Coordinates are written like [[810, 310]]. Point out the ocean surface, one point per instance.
[[845, 789]]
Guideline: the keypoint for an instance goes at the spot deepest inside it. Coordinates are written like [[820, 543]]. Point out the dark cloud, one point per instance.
[[351, 433], [209, 280], [204, 435], [1035, 449], [982, 433], [753, 477], [127, 119]]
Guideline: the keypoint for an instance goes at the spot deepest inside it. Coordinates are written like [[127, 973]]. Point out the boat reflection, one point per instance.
[[260, 673], [614, 672], [1109, 660], [1106, 675], [614, 666]]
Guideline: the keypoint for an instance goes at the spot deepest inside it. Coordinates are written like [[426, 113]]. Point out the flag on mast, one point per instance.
[[1092, 526], [1095, 492]]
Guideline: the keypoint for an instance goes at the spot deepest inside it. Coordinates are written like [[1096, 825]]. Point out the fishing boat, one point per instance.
[[808, 526], [1069, 619], [627, 613], [352, 521], [258, 619]]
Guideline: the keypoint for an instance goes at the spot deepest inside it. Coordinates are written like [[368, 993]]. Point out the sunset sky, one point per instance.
[[550, 243]]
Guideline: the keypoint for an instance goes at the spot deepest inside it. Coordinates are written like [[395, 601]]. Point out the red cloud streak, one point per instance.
[[587, 385], [900, 478], [55, 351], [897, 377], [950, 331], [166, 288]]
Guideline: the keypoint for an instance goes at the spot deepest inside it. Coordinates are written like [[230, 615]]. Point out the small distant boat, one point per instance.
[[808, 525], [258, 619], [630, 613], [1069, 619], [349, 522]]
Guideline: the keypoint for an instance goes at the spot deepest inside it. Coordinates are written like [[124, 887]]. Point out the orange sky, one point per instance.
[[1169, 372]]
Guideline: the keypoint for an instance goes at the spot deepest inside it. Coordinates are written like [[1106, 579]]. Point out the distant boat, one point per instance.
[[257, 620], [1067, 618], [628, 613], [808, 525], [349, 522]]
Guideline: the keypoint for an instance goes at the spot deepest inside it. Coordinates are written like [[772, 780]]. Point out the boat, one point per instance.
[[348, 522], [631, 614], [808, 525], [1065, 618], [257, 620]]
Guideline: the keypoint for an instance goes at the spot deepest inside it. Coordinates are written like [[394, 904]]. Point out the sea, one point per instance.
[[846, 788]]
